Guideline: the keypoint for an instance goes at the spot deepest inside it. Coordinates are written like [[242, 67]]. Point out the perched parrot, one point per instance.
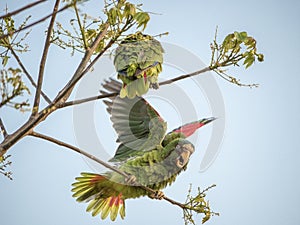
[[138, 61], [146, 153]]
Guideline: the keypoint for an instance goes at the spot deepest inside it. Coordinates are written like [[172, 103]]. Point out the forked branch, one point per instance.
[[27, 74], [3, 129]]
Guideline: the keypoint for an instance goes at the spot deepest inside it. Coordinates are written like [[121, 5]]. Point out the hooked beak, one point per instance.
[[184, 156]]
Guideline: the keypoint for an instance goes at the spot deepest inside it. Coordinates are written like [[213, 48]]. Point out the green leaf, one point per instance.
[[5, 60], [142, 18], [240, 36], [112, 16], [10, 24], [129, 10], [249, 60]]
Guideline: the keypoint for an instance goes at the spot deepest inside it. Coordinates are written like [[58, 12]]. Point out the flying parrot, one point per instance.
[[138, 61], [146, 153]]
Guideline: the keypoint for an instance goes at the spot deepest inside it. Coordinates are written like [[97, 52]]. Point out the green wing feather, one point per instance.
[[138, 125]]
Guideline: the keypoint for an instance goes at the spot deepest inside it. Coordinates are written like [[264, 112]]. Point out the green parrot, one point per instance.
[[146, 153], [138, 61]]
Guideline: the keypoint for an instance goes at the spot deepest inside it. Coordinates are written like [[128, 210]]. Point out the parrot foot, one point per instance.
[[154, 86], [130, 180], [159, 195]]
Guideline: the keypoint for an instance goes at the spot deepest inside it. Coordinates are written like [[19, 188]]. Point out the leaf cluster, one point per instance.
[[120, 15], [12, 40], [4, 163], [197, 204], [235, 49], [11, 87], [123, 11]]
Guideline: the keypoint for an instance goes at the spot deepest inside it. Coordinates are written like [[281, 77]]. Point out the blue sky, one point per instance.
[[257, 168]]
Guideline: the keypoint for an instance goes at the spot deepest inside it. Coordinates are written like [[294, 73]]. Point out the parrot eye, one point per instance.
[[189, 147]]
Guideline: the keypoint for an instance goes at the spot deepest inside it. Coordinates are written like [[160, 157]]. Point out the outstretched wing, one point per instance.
[[139, 127]]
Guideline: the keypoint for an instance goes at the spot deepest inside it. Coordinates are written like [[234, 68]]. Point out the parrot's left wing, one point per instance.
[[139, 127]]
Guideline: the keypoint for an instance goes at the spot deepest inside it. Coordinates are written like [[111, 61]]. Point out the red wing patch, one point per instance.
[[116, 201], [97, 178]]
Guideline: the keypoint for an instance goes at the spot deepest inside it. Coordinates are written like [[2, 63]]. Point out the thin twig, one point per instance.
[[37, 96], [36, 22], [26, 128], [22, 9], [110, 43], [3, 129], [181, 77], [80, 27], [82, 69], [206, 69], [29, 77], [80, 151], [80, 101]]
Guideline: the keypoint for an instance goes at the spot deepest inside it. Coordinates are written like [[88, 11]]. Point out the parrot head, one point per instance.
[[184, 149]]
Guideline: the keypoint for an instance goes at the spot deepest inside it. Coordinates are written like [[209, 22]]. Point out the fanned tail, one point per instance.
[[102, 198]]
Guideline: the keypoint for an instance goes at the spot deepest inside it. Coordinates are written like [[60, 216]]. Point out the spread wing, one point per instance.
[[139, 127]]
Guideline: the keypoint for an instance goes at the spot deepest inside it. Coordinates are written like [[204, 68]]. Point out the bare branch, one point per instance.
[[3, 129], [36, 22], [80, 151], [26, 128], [85, 44], [64, 94], [111, 42], [80, 101], [22, 9], [47, 99], [181, 77], [36, 103]]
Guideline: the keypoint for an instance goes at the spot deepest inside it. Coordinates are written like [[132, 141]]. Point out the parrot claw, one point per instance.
[[130, 180], [154, 86], [159, 195]]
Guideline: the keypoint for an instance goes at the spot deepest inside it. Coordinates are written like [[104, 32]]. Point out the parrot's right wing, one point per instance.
[[139, 127]]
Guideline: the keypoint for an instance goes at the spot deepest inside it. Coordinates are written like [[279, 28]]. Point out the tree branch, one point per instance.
[[26, 128], [36, 22], [111, 42], [85, 44], [29, 77], [80, 151], [181, 77], [36, 103], [64, 94], [3, 129], [22, 9]]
